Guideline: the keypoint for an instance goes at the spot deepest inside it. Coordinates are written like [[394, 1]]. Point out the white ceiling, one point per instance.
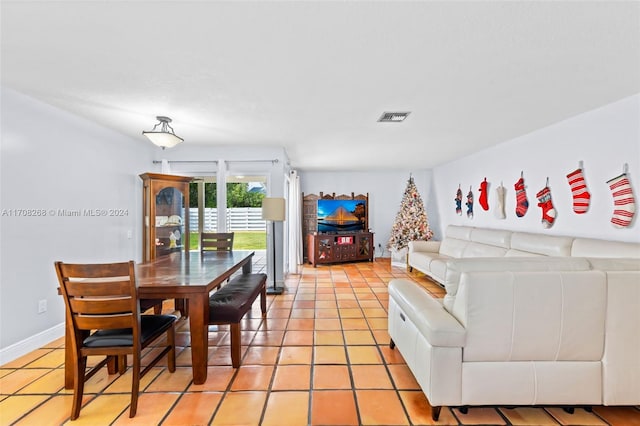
[[314, 76]]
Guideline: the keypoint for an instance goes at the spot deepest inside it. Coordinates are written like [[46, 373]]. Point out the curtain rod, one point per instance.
[[274, 161]]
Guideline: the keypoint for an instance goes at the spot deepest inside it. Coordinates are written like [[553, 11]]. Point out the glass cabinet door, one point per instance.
[[165, 214]]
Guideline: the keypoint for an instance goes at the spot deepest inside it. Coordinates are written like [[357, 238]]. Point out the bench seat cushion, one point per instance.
[[233, 300]]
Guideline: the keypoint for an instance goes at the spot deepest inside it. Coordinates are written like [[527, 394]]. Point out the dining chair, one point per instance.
[[103, 318], [216, 241]]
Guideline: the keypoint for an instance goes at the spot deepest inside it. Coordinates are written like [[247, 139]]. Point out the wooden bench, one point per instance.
[[229, 304]]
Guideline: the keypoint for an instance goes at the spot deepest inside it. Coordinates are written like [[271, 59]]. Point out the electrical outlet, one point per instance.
[[42, 306], [129, 234]]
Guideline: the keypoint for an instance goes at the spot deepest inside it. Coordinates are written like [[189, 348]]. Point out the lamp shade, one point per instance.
[[273, 209], [163, 137]]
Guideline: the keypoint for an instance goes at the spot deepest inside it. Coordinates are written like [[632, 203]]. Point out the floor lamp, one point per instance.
[[273, 209]]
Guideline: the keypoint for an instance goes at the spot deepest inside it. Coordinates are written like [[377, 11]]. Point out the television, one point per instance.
[[342, 215]]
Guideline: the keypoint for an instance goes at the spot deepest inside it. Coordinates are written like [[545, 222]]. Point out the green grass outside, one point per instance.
[[242, 240]]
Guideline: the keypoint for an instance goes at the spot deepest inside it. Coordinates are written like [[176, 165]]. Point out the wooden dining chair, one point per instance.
[[103, 311], [216, 241]]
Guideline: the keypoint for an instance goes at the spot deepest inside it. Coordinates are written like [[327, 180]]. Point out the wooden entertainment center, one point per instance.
[[335, 247]]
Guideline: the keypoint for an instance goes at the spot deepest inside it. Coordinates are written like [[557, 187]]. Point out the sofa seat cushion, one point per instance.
[[427, 314]]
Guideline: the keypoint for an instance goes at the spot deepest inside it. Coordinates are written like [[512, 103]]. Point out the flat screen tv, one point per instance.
[[342, 215]]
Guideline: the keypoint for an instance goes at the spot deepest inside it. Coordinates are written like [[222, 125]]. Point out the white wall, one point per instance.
[[53, 161], [385, 189], [604, 139]]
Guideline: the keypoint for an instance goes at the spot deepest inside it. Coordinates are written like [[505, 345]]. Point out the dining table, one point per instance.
[[184, 275]]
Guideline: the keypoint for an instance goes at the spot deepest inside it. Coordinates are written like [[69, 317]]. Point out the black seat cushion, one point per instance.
[[150, 325], [232, 301]]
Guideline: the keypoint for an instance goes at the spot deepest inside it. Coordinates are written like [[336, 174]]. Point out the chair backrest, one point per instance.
[[216, 241], [100, 296]]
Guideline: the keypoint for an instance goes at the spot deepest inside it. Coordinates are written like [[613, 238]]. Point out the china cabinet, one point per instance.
[[165, 214]]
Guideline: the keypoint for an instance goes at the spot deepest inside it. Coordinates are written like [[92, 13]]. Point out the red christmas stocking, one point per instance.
[[581, 196], [548, 212], [521, 198], [484, 202], [623, 201]]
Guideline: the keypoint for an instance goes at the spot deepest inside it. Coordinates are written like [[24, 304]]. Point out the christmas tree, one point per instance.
[[411, 221]]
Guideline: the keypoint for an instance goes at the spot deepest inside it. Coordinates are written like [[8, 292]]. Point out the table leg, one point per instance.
[[198, 321]]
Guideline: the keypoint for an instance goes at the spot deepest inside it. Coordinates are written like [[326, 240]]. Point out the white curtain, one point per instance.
[[295, 223]]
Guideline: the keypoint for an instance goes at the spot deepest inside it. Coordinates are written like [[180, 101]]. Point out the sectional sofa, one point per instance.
[[559, 326]]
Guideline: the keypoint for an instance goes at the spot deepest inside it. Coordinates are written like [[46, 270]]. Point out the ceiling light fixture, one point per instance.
[[393, 117], [165, 137]]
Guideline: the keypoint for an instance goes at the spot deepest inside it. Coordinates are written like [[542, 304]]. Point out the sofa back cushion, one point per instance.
[[539, 244], [457, 238], [587, 247], [455, 268], [532, 316]]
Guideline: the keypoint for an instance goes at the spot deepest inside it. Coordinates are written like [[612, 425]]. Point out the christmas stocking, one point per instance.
[[484, 202], [469, 204], [522, 204], [579, 191], [500, 212], [548, 212], [458, 201], [623, 201]]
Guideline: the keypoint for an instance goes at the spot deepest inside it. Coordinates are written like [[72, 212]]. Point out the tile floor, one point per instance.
[[321, 357]]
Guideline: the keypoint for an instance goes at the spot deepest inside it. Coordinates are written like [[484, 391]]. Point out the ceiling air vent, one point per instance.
[[393, 117]]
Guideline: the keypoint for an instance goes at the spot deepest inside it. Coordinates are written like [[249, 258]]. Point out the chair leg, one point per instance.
[[78, 386], [135, 384], [235, 344], [435, 413]]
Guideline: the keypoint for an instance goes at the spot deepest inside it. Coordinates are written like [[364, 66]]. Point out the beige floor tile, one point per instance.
[[52, 382], [371, 377], [579, 417], [364, 355], [330, 355], [419, 410], [152, 407], [328, 337], [298, 338], [233, 409], [479, 416], [286, 408], [261, 355], [296, 355], [194, 409], [358, 337], [252, 377], [528, 416], [331, 377], [14, 407], [218, 379], [18, 379], [619, 416], [292, 377], [380, 407], [103, 410], [56, 410], [177, 381], [333, 407]]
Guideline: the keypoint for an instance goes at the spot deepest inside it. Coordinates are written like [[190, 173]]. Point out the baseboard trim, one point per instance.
[[15, 351]]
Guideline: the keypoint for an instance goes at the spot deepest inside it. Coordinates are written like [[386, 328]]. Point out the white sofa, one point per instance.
[[524, 331], [431, 257]]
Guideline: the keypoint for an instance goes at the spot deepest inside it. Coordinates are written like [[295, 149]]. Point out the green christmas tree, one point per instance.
[[411, 221]]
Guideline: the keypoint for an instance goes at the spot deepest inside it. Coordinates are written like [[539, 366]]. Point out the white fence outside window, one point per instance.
[[238, 219]]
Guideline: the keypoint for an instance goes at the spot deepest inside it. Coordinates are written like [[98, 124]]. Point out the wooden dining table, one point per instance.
[[190, 276]]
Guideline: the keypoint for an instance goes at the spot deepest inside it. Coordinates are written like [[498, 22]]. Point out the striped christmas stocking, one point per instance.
[[522, 204], [581, 196], [623, 201], [548, 211]]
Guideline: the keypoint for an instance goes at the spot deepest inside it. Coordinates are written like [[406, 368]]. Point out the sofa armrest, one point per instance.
[[438, 326], [429, 246]]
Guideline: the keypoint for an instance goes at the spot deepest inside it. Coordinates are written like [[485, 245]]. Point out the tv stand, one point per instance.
[[339, 247]]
